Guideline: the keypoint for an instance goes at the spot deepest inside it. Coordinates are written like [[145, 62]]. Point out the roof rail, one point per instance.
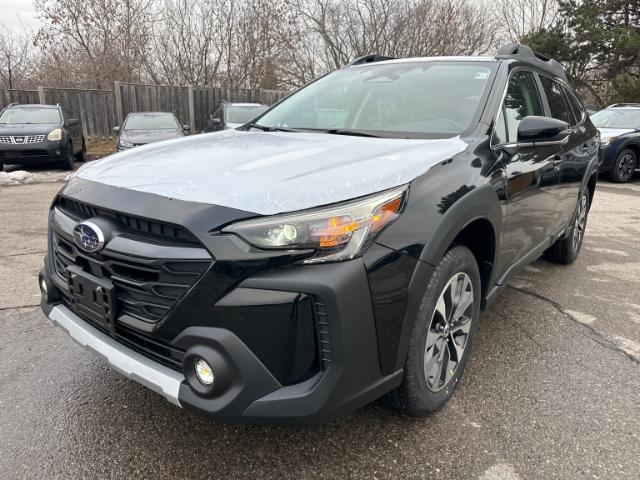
[[518, 51], [615, 105], [371, 58]]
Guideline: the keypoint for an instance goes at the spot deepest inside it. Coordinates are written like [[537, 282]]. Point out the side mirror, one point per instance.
[[534, 130], [186, 127], [216, 121], [116, 129], [72, 122]]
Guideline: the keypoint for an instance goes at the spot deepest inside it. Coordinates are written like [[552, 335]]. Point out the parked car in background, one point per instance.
[[619, 127], [299, 269], [591, 110], [147, 127], [40, 135], [233, 115]]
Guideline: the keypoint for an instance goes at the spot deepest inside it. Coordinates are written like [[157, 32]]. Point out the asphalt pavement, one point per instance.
[[552, 389]]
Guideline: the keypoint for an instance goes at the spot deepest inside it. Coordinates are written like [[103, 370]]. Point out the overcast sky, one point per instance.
[[13, 12]]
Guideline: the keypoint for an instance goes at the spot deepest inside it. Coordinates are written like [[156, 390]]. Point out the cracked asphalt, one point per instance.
[[552, 389]]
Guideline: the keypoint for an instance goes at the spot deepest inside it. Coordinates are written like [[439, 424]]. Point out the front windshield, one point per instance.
[[428, 99], [30, 115], [617, 118], [151, 121], [243, 113]]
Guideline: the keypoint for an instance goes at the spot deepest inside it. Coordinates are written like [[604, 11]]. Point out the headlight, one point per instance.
[[336, 233], [125, 143], [608, 140], [55, 135]]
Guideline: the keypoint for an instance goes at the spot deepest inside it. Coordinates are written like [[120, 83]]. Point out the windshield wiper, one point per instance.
[[354, 133], [264, 128]]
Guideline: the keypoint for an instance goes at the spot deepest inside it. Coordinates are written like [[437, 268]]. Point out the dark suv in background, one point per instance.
[[40, 135], [619, 127], [337, 249]]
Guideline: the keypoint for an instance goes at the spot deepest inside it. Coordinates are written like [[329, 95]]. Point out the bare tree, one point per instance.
[[246, 43], [187, 41], [519, 18], [94, 42], [16, 56], [342, 30]]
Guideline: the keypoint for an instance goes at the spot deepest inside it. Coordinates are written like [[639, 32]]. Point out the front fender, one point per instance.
[[436, 213]]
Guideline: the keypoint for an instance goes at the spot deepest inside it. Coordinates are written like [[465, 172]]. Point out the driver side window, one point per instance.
[[522, 100]]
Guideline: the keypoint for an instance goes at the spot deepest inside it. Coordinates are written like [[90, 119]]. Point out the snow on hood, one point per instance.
[[270, 172], [606, 133]]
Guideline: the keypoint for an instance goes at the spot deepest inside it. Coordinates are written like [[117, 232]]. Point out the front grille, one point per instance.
[[83, 211], [21, 139], [145, 288]]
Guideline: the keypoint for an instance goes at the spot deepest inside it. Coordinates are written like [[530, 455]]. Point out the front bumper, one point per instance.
[[249, 392], [287, 344], [32, 154]]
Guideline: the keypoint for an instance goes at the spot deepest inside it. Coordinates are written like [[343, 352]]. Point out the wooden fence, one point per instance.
[[18, 96], [100, 110]]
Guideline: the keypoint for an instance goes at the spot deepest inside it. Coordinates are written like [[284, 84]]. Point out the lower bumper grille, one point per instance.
[[27, 154], [153, 348]]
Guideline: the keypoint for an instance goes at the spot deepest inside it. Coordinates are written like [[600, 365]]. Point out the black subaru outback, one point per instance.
[[338, 249], [40, 135]]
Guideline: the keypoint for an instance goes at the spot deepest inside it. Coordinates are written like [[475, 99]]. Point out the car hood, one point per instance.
[[27, 128], [606, 133], [233, 125], [142, 137], [271, 172]]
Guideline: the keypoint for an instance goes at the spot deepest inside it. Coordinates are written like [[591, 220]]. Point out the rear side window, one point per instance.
[[557, 105], [576, 106], [522, 100]]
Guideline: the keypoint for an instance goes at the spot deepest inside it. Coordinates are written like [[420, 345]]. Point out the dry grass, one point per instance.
[[96, 147]]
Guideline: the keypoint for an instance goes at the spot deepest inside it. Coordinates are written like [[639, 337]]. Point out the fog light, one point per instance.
[[204, 372]]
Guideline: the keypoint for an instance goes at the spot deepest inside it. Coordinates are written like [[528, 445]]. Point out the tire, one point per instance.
[[566, 249], [624, 167], [67, 163], [81, 156], [427, 384]]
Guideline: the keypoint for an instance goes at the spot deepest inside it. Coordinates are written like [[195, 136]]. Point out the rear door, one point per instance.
[[574, 166], [572, 154], [531, 176]]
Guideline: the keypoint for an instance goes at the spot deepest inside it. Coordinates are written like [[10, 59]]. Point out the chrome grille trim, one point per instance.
[[21, 139]]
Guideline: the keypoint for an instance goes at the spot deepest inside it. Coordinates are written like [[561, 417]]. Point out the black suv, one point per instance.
[[38, 135], [338, 249]]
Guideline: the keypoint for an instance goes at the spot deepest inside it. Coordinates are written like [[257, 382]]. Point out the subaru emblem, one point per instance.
[[88, 237]]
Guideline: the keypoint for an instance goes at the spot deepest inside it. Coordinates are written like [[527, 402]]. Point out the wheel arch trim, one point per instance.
[[479, 204]]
